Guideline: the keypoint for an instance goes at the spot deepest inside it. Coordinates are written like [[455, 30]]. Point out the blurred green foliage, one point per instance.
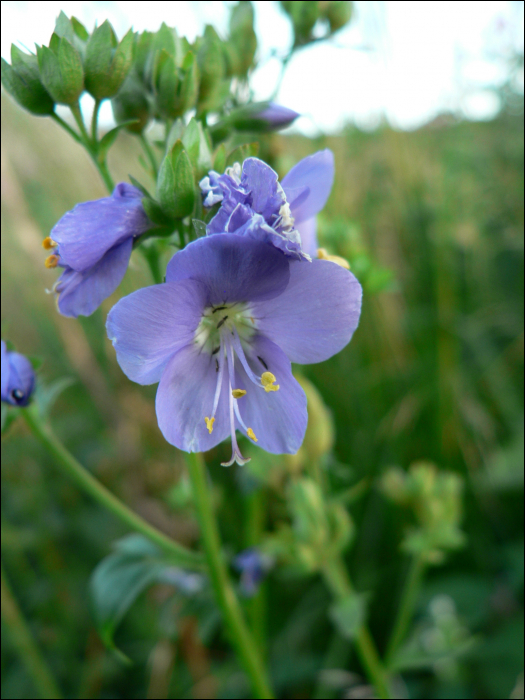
[[431, 223]]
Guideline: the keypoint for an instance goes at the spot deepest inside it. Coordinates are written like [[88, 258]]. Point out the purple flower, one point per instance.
[[219, 336], [253, 567], [18, 378], [256, 205], [93, 243], [276, 116]]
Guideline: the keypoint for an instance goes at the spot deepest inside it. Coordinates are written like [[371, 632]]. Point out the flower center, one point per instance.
[[226, 331], [223, 319]]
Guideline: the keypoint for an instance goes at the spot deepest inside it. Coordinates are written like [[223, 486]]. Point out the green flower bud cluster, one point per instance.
[[320, 529], [308, 19], [435, 499], [73, 61]]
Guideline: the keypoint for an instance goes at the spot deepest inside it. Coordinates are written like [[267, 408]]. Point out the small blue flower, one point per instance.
[[256, 205], [220, 335], [18, 378], [253, 567], [276, 116], [93, 243]]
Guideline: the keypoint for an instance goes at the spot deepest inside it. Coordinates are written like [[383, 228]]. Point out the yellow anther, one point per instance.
[[238, 393], [51, 261], [268, 379], [323, 254], [209, 424], [48, 243], [251, 435]]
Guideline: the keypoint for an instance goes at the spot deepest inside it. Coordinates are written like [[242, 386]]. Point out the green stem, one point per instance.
[[94, 122], [88, 483], [25, 644], [150, 154], [254, 528], [102, 168], [226, 599], [77, 114], [339, 583], [66, 126], [151, 256], [337, 656], [91, 145], [406, 607]]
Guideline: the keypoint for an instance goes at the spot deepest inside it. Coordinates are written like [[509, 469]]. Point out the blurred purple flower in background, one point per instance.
[[18, 378], [93, 243], [220, 336], [277, 116], [256, 205], [253, 567]]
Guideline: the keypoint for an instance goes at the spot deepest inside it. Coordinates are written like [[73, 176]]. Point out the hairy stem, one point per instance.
[[88, 483], [339, 583], [25, 644], [406, 607], [225, 596]]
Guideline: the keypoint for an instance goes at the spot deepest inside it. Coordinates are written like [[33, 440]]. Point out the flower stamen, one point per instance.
[[268, 381], [238, 393], [48, 243], [251, 435], [51, 261], [209, 424]]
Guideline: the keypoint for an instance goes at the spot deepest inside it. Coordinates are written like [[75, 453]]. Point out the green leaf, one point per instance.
[[46, 395], [139, 186], [349, 614], [120, 578], [109, 139]]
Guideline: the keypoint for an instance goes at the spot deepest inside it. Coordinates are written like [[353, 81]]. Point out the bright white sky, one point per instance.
[[402, 60]]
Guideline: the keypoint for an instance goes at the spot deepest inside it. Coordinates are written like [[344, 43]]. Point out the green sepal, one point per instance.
[[200, 227], [166, 81], [210, 59], [61, 70], [107, 61], [197, 147], [131, 106], [239, 155], [175, 184], [338, 13], [22, 81], [242, 43], [155, 213], [219, 159]]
